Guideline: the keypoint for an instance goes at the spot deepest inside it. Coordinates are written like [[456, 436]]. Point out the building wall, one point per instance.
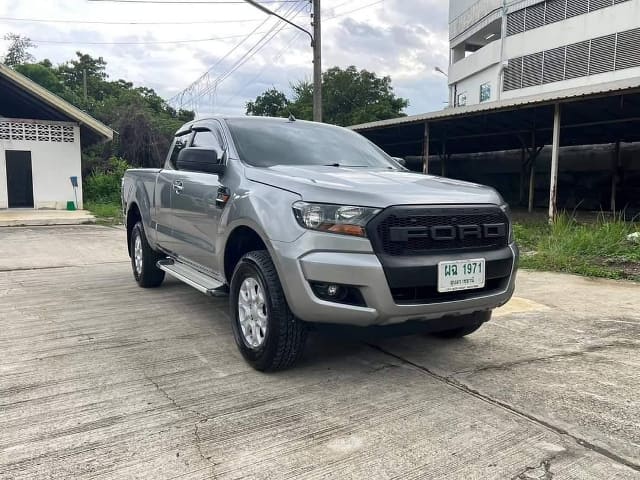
[[494, 59], [575, 82], [618, 18], [471, 85], [465, 15], [54, 158]]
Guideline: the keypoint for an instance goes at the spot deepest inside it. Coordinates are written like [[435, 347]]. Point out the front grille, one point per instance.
[[418, 222]]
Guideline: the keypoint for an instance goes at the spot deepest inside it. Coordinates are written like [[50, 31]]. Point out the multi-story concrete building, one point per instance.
[[501, 49]]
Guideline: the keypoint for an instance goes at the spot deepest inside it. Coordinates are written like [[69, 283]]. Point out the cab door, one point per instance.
[[193, 202], [163, 215]]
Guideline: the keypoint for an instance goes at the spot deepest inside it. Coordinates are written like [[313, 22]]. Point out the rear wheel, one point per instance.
[[267, 333], [471, 324], [144, 259]]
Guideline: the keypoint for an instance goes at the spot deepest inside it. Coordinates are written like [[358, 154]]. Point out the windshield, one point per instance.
[[265, 142]]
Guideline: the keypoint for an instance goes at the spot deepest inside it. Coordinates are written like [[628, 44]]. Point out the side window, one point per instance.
[[485, 92], [179, 143], [208, 139]]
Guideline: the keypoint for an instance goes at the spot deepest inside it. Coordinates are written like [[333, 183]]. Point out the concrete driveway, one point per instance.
[[102, 379]]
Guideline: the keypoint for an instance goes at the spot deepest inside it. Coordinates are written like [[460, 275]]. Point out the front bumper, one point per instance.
[[328, 258]]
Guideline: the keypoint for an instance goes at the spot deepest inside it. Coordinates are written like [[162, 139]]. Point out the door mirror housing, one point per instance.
[[201, 159], [401, 161]]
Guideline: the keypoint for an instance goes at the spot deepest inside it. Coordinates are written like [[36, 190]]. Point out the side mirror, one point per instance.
[[401, 161], [199, 159]]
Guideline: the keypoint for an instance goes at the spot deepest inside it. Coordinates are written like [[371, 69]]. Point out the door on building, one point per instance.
[[19, 179]]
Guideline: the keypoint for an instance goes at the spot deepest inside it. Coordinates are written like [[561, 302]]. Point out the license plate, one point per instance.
[[461, 275]]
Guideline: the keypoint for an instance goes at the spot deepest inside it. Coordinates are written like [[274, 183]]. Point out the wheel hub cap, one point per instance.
[[252, 312], [137, 254]]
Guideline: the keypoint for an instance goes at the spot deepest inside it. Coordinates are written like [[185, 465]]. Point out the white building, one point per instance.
[[41, 137], [502, 49]]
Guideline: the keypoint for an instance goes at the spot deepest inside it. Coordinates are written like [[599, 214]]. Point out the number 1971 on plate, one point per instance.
[[461, 275]]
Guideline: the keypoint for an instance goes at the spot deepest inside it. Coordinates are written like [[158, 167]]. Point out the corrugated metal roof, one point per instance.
[[566, 95], [56, 102]]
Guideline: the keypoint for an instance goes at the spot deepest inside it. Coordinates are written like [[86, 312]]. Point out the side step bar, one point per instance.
[[194, 278]]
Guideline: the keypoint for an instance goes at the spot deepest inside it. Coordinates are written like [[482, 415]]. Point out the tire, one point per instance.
[[471, 324], [266, 332], [145, 271]]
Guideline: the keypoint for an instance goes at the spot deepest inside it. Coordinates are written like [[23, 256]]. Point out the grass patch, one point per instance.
[[105, 212], [595, 249]]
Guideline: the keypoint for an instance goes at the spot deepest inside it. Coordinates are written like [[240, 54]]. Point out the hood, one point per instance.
[[371, 187]]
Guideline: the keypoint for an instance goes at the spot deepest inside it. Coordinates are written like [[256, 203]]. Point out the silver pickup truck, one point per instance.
[[303, 223]]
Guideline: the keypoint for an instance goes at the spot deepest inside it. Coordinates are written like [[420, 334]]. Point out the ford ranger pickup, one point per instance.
[[304, 223]]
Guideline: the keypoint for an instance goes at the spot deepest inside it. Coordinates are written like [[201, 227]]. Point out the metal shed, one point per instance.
[[604, 113]]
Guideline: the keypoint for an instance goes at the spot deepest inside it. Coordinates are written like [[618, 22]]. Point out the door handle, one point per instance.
[[178, 186]]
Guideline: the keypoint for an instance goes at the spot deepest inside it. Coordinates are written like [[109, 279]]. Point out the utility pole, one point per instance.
[[317, 62], [316, 44], [84, 83]]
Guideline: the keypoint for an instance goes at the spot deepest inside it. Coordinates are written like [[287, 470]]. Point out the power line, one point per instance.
[[211, 86], [354, 10], [205, 85], [165, 42], [254, 50], [98, 22], [341, 4], [151, 42], [259, 45], [261, 72], [203, 2], [251, 53], [205, 75], [281, 52]]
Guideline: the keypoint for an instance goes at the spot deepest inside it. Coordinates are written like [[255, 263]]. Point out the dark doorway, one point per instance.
[[19, 179]]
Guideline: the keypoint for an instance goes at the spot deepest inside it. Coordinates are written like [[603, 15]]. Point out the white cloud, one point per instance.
[[400, 38]]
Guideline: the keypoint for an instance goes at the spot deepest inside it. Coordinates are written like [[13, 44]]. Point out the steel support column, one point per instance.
[[443, 159], [615, 166], [555, 154], [532, 184], [425, 149], [523, 160]]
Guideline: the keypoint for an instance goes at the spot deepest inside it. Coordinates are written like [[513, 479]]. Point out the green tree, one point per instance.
[[144, 121], [73, 75], [302, 103], [272, 103], [349, 97], [18, 51], [43, 75]]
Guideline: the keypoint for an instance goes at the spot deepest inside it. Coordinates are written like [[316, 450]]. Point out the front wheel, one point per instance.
[[267, 333], [471, 324]]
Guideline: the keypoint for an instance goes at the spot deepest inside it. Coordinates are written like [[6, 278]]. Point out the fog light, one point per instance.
[[333, 290]]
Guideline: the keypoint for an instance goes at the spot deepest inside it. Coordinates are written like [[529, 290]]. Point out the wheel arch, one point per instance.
[[242, 239], [133, 217]]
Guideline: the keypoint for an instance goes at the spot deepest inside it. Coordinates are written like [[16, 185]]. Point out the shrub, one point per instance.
[[597, 248], [103, 185]]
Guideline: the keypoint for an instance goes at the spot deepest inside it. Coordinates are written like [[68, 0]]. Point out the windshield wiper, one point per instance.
[[339, 165]]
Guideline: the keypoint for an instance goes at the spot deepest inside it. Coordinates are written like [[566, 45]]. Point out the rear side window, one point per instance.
[[178, 144]]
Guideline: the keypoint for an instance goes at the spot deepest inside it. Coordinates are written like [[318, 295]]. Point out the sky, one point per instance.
[[168, 46]]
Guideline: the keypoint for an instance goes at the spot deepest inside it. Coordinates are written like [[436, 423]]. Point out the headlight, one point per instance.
[[507, 211], [343, 219]]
